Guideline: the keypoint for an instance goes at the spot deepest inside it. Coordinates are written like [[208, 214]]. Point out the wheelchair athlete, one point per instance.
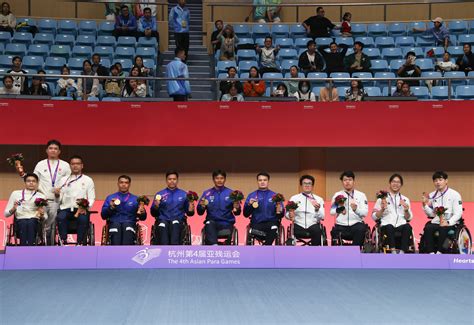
[[121, 210]]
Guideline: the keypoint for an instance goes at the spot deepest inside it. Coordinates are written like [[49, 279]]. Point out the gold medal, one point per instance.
[[117, 202], [206, 202], [255, 205], [158, 197]]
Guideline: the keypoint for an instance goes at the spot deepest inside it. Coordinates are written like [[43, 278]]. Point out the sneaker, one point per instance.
[[438, 252], [394, 251], [401, 252], [432, 253]]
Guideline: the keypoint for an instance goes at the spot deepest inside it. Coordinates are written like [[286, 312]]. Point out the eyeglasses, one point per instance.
[[307, 184]]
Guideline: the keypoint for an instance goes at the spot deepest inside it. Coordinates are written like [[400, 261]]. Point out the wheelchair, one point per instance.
[[72, 230], [459, 241], [186, 238], [341, 240], [380, 243], [256, 236], [224, 236], [105, 239], [13, 237], [305, 240]]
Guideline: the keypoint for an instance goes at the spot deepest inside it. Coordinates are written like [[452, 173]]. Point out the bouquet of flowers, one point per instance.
[[440, 211], [339, 201], [83, 205], [236, 196], [382, 194], [143, 200], [40, 203], [16, 160], [291, 205], [192, 196], [278, 198]]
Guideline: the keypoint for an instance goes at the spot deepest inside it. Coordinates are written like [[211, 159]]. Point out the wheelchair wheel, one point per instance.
[[91, 235], [12, 239], [235, 237], [368, 246], [187, 236], [280, 240], [375, 236], [105, 239], [324, 236], [203, 236], [464, 241], [249, 240]]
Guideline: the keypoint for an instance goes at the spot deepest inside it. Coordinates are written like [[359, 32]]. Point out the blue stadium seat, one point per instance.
[[285, 43], [379, 65], [104, 51], [147, 62], [368, 41], [60, 50], [465, 92], [22, 38], [6, 61], [106, 40], [341, 90], [248, 55], [61, 98], [380, 83], [349, 41], [146, 52], [373, 53], [418, 51], [317, 75], [85, 40], [395, 65], [147, 42], [76, 72], [384, 41], [434, 74], [38, 50], [260, 42], [260, 30], [441, 92], [373, 91], [377, 29], [424, 41], [358, 29], [385, 91], [111, 99], [126, 64], [34, 63], [87, 27], [80, 51], [42, 38], [300, 74], [122, 52], [246, 40], [2, 48], [106, 28], [47, 26], [300, 43], [288, 54], [321, 41], [297, 31], [418, 25], [455, 50], [28, 21], [420, 92], [456, 74], [405, 41], [15, 49], [316, 90], [287, 64], [471, 81], [66, 26], [362, 75], [75, 63], [50, 72], [54, 63], [242, 30], [340, 75], [425, 64], [126, 41], [65, 39], [272, 75], [222, 66], [279, 30], [223, 75], [458, 27], [391, 53], [244, 66], [438, 51], [397, 29], [5, 37], [466, 39]]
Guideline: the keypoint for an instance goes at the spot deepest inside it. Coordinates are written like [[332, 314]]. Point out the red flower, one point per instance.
[[83, 203], [440, 211], [382, 194], [192, 196], [15, 157], [236, 196], [340, 199], [291, 205], [277, 198], [143, 199], [39, 202]]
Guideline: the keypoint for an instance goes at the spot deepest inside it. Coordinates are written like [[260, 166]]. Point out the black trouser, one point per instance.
[[211, 229], [27, 229], [120, 32], [429, 238], [270, 228], [356, 232], [390, 230], [182, 41], [314, 232], [169, 232], [122, 233], [64, 217], [180, 98]]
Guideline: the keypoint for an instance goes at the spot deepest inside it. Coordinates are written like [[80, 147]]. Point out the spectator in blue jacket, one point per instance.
[[438, 32], [169, 208], [179, 24], [265, 215], [147, 25], [219, 208], [122, 211], [178, 89], [125, 23]]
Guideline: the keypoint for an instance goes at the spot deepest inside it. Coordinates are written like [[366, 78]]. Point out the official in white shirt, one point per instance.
[[52, 172], [22, 205], [310, 212], [394, 213], [350, 217], [76, 186], [445, 197]]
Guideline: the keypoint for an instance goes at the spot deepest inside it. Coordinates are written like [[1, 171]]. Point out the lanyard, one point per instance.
[[53, 177], [441, 195], [23, 196], [69, 183], [394, 202]]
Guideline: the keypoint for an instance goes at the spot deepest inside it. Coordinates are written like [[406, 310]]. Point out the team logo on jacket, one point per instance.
[[145, 255]]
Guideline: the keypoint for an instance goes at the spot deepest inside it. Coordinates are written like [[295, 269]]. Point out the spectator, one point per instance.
[[335, 58], [36, 88], [328, 93], [44, 84], [466, 61], [356, 92], [147, 25], [179, 24], [398, 88], [125, 23], [233, 95], [438, 31], [267, 56], [254, 88], [225, 85], [346, 25], [410, 70], [405, 91], [133, 89], [446, 64], [135, 72], [141, 7], [99, 68], [215, 39], [293, 85], [304, 93], [318, 26], [7, 19], [66, 86], [144, 71], [121, 73], [228, 41], [87, 87], [113, 86], [310, 60], [357, 61], [179, 90], [280, 91], [8, 88], [19, 80], [273, 13], [259, 12]]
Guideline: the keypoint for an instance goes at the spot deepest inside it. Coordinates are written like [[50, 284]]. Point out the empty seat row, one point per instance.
[[67, 26]]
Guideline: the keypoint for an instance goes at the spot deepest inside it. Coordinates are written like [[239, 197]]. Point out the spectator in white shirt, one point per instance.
[[8, 88]]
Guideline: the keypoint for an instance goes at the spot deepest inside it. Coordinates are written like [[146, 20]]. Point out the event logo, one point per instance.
[[145, 255]]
